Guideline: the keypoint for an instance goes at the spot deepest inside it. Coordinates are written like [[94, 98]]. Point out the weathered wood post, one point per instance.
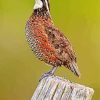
[[57, 88]]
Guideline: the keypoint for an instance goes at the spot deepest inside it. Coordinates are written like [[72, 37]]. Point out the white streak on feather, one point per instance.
[[47, 6]]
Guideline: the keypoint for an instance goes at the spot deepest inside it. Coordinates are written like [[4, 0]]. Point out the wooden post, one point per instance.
[[57, 88]]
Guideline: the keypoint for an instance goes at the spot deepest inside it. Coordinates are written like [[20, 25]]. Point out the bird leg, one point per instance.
[[51, 72]]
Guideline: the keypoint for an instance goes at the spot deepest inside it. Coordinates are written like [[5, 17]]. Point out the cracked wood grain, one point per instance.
[[57, 88]]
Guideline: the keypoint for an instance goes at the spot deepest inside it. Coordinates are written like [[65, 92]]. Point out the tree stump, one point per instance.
[[57, 88]]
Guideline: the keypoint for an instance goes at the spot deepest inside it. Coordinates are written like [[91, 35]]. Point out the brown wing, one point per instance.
[[40, 44], [63, 48]]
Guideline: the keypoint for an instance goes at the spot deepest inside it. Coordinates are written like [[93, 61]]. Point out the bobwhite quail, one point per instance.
[[47, 42]]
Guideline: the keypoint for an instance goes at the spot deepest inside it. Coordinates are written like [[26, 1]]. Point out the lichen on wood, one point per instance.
[[57, 88]]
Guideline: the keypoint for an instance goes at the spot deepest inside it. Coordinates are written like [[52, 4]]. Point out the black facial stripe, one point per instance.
[[44, 10], [44, 4]]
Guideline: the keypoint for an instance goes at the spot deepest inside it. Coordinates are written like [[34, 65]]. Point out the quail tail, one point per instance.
[[74, 68]]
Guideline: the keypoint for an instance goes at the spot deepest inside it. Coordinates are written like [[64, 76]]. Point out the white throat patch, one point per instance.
[[38, 4]]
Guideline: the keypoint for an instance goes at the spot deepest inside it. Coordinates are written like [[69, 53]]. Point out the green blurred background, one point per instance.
[[20, 70]]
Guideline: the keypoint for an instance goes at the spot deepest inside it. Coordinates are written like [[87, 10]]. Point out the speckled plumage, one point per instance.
[[47, 42]]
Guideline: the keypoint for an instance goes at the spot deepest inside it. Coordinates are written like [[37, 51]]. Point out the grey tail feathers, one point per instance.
[[74, 68]]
